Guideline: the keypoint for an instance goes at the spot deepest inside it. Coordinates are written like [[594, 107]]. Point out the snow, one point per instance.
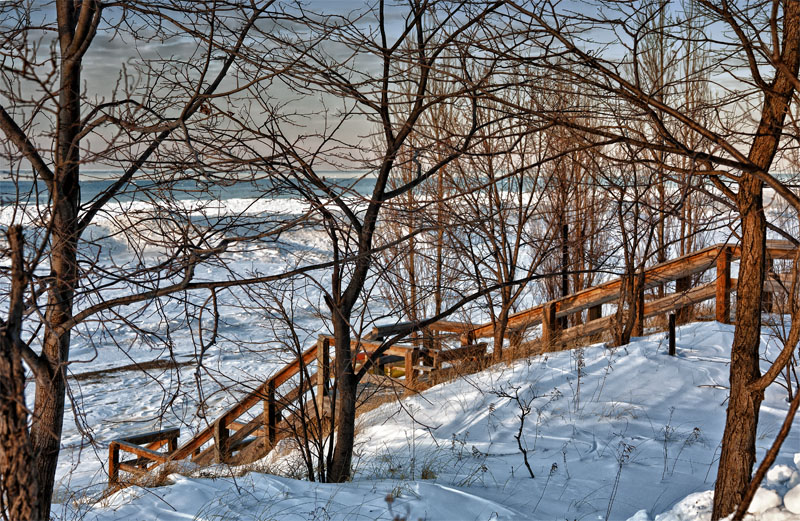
[[626, 433], [792, 500], [779, 474], [261, 496], [764, 500]]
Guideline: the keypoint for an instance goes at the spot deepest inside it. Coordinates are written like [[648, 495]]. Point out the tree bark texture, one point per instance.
[[739, 441], [18, 487], [346, 389], [500, 328]]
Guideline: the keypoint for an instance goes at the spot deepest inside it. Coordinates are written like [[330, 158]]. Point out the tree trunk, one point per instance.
[[18, 487], [739, 440], [346, 388], [17, 481], [623, 320], [51, 383], [65, 195], [564, 266], [500, 328]]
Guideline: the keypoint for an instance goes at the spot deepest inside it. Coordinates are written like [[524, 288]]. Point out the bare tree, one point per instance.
[[368, 66], [151, 127]]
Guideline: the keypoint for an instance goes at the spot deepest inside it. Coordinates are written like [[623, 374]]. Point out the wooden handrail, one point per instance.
[[150, 437], [158, 457], [133, 444], [246, 403], [447, 326], [370, 346], [608, 291]]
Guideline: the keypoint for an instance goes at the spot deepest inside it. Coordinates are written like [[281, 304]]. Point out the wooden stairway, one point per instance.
[[297, 397]]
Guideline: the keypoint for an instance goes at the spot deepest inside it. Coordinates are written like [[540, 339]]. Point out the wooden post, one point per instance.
[[323, 366], [768, 299], [428, 339], [271, 413], [672, 334], [437, 360], [723, 296], [172, 444], [683, 285], [550, 326], [113, 464], [221, 451], [412, 359], [595, 312], [378, 368], [638, 320]]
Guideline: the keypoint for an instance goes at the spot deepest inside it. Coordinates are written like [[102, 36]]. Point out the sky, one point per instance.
[[115, 53]]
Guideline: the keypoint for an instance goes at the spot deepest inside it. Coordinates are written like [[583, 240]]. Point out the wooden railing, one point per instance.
[[145, 446], [680, 270], [241, 435]]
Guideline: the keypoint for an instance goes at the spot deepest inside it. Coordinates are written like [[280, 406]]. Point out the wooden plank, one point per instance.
[[251, 427], [221, 445], [243, 430], [654, 276], [412, 361], [683, 285], [259, 447], [323, 366], [158, 457], [138, 462], [370, 346], [204, 457], [273, 407], [777, 286], [678, 300], [450, 326], [767, 298], [780, 249], [458, 353], [723, 287], [550, 324], [380, 332], [154, 436], [523, 319], [113, 464], [158, 444], [589, 328], [133, 469]]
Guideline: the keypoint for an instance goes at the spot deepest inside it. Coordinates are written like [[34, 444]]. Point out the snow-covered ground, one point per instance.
[[627, 433]]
